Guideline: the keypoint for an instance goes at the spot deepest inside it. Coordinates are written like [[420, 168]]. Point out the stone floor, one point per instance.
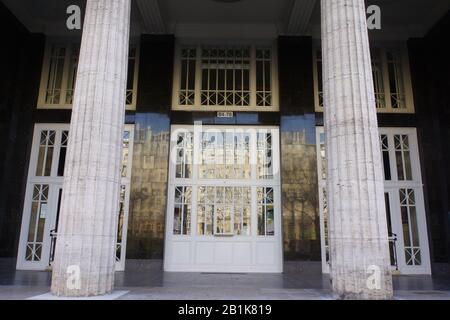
[[147, 281]]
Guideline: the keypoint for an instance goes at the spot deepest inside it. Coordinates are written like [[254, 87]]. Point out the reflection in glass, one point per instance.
[[385, 155], [410, 227], [63, 152], [120, 222], [184, 154], [225, 155], [37, 222], [265, 156], [300, 190], [148, 187], [265, 211], [389, 225], [45, 156], [125, 153], [182, 211], [228, 208], [402, 156]]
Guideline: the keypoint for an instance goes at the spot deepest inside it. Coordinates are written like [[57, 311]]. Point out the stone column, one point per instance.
[[359, 254], [86, 240]]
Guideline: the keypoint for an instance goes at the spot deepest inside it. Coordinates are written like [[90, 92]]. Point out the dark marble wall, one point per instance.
[[20, 75], [430, 67], [301, 226], [148, 194]]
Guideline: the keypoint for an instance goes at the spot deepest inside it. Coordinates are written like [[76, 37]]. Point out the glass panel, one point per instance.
[[265, 211], [410, 227], [225, 155], [263, 77], [187, 80], [45, 155], [63, 152], [265, 152], [130, 75], [225, 76], [378, 81], [125, 153], [242, 211], [325, 224], [322, 156], [385, 154], [36, 226], [228, 207], [402, 156], [184, 154], [205, 210], [120, 222], [392, 236], [55, 74], [396, 80], [319, 77], [73, 65], [182, 211]]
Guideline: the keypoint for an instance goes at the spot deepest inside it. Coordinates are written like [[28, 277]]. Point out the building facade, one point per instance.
[[224, 165]]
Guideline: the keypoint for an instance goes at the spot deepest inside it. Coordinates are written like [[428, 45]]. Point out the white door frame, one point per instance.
[[193, 241], [392, 187], [55, 183]]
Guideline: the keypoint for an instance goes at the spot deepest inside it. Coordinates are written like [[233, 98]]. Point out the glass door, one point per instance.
[[224, 200], [44, 193]]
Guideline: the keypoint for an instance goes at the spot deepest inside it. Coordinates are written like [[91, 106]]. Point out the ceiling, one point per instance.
[[234, 18]]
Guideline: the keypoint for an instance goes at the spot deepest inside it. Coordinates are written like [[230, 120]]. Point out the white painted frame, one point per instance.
[[55, 183], [69, 44], [406, 74], [192, 240], [392, 188], [126, 181], [197, 105]]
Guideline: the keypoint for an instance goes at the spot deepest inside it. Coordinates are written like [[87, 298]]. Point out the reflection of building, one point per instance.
[[148, 193], [181, 79], [299, 197]]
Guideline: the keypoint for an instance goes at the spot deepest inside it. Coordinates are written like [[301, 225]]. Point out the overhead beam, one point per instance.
[[151, 16], [300, 16]]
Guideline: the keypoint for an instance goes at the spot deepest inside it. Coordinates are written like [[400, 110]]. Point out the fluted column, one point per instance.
[[86, 240], [359, 255]]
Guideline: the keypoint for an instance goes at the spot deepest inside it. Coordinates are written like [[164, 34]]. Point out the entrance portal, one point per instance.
[[224, 200]]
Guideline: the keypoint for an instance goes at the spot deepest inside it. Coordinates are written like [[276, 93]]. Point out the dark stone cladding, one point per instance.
[[148, 196], [299, 185], [430, 71], [20, 66]]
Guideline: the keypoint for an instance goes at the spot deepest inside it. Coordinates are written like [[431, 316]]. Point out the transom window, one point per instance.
[[225, 78], [391, 79], [59, 74]]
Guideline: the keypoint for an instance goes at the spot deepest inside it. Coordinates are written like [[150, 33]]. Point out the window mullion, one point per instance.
[[252, 76], [387, 88], [67, 58], [198, 76]]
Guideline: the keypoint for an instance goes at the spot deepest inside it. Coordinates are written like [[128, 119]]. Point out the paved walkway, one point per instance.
[[147, 282]]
